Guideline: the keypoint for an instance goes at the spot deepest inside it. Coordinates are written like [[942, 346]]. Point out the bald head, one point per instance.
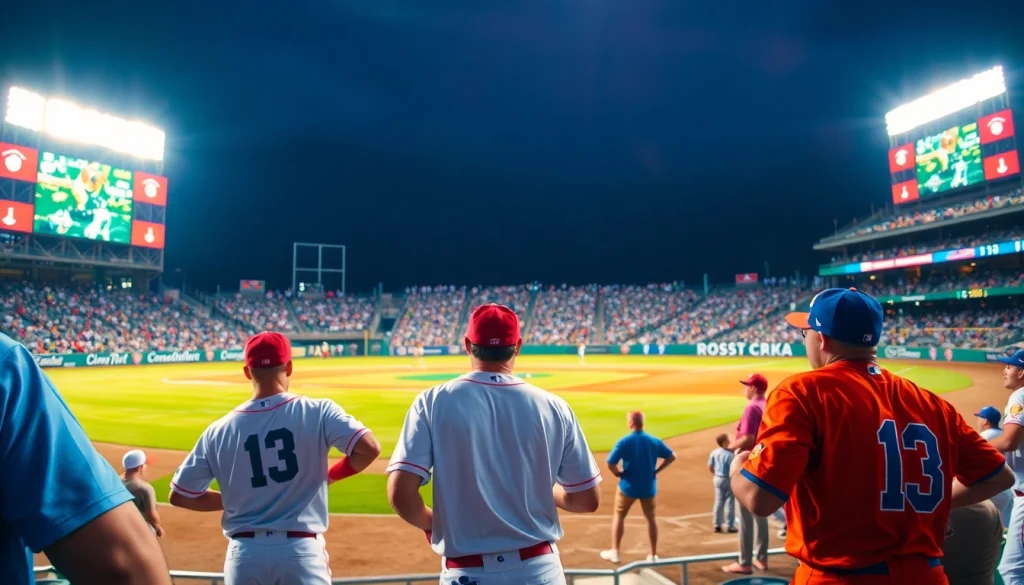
[[636, 420]]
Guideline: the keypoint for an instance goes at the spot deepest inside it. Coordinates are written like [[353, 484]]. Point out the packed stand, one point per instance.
[[431, 316], [515, 297], [563, 315], [948, 244], [51, 319], [724, 310], [258, 312], [335, 313], [927, 216], [630, 310], [938, 282], [967, 329]]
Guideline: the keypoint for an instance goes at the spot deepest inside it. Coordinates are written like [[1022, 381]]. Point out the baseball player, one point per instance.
[[504, 455], [988, 427], [134, 463], [581, 351], [867, 463], [269, 457], [1011, 567]]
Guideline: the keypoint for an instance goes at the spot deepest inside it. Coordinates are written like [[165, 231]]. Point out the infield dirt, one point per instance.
[[383, 545]]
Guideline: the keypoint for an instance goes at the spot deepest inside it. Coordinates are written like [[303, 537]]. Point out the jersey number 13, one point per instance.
[[285, 453], [897, 492]]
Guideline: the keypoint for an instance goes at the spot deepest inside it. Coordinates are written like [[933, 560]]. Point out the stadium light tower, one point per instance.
[[943, 102]]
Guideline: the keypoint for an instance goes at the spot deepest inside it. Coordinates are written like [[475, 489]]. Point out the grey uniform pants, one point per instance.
[[724, 502], [747, 522]]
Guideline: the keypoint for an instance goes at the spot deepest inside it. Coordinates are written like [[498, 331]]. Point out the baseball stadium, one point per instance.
[[143, 364]]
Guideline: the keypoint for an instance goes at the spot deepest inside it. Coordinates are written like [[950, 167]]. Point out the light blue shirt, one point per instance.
[[639, 454], [52, 480], [720, 461]]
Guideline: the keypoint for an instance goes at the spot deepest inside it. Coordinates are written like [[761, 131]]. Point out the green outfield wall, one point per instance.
[[379, 347]]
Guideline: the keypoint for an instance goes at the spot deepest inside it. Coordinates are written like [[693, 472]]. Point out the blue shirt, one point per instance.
[[52, 480], [639, 454]]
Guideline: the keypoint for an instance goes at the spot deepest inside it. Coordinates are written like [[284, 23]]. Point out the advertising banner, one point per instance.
[[1002, 165], [746, 278], [15, 216], [147, 234], [905, 192], [77, 198], [901, 158], [150, 188], [997, 126], [18, 162]]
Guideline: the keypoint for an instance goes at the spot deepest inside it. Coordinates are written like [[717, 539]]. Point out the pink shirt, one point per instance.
[[751, 419]]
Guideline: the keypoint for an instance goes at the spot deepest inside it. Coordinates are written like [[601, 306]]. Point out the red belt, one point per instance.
[[474, 561], [291, 534], [1018, 493]]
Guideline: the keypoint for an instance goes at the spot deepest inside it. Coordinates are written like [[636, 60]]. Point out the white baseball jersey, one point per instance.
[[269, 457], [1014, 415], [496, 446]]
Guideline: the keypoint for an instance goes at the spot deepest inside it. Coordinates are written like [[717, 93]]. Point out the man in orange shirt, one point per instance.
[[867, 463]]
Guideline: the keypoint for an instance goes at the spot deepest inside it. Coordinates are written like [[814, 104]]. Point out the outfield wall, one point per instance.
[[378, 347]]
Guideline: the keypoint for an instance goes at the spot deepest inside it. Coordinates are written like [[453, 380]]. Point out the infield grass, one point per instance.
[[169, 406]]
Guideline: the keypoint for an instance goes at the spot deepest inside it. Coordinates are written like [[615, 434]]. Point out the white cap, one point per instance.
[[134, 458]]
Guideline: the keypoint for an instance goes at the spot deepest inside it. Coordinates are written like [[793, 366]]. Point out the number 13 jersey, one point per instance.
[[865, 461], [269, 458]]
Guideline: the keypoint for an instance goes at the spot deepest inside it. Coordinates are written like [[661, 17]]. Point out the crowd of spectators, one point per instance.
[[258, 312], [923, 248], [967, 329], [630, 310], [723, 311], [515, 297], [936, 281], [912, 218], [431, 316], [55, 319], [563, 315], [335, 313]]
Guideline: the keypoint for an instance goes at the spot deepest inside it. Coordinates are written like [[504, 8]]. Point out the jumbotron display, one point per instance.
[[83, 199], [936, 161], [949, 160]]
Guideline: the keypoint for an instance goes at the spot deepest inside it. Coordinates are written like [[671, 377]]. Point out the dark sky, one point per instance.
[[500, 142]]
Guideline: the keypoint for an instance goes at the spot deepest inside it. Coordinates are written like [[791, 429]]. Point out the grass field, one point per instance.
[[169, 406]]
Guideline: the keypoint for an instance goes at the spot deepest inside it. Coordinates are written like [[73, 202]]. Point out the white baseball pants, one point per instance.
[[271, 558], [510, 570]]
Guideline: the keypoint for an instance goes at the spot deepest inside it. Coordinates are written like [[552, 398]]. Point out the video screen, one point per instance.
[[77, 198], [949, 160]]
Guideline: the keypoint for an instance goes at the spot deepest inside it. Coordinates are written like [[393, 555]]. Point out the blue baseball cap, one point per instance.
[[990, 414], [1017, 359], [844, 314]]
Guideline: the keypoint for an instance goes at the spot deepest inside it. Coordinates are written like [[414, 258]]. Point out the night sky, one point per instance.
[[500, 142]]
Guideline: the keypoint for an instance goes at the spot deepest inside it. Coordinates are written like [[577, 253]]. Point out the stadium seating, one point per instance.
[[938, 214], [258, 313], [632, 310], [938, 282], [563, 315], [966, 329], [335, 313], [431, 316]]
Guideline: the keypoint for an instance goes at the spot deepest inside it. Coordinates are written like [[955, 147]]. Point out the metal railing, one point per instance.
[[571, 575]]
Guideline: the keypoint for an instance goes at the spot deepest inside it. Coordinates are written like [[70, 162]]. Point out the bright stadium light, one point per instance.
[[943, 102], [67, 121]]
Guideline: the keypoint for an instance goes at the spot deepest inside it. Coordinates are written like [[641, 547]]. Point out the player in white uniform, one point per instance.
[[582, 351], [1011, 567], [269, 457], [988, 427], [504, 455]]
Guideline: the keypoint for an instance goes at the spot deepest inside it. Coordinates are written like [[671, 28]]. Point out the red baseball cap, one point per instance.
[[268, 349], [757, 381], [493, 326]]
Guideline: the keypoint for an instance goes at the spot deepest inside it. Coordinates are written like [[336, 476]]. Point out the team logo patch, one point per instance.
[[1016, 409], [464, 580], [757, 451]]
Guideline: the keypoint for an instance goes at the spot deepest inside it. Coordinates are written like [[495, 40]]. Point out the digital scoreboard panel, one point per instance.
[[949, 160], [83, 199], [982, 251]]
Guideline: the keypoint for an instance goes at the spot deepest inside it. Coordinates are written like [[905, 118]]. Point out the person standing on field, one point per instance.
[[754, 387], [505, 456], [718, 464], [134, 463], [638, 453]]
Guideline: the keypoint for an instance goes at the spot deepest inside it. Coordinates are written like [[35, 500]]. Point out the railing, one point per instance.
[[571, 574]]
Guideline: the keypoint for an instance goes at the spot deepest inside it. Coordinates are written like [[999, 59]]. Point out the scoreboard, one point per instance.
[[75, 197], [970, 149]]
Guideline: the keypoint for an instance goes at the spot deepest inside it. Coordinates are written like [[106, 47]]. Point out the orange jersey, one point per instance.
[[865, 461]]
